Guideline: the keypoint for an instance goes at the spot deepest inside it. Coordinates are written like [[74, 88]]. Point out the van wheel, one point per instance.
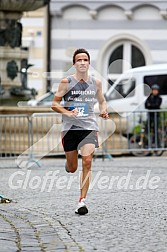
[[158, 153], [137, 147], [141, 153]]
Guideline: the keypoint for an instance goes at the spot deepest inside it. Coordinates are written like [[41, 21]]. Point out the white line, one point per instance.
[[103, 34]]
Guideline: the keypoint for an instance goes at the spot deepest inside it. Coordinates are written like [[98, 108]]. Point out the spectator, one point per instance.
[[153, 102]]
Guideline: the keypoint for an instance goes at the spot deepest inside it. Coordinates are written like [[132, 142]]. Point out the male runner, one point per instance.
[[79, 126]]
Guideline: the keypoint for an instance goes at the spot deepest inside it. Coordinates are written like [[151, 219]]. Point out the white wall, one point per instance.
[[111, 13], [76, 12]]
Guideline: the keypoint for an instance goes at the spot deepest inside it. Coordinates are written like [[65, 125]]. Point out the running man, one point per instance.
[[79, 127]]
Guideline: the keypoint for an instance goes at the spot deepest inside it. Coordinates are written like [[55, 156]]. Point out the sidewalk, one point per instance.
[[127, 206]]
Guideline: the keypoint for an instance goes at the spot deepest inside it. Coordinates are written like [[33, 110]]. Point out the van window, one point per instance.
[[122, 89], [161, 80]]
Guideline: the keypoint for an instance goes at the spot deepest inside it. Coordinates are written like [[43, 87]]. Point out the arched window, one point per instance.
[[120, 53], [123, 57]]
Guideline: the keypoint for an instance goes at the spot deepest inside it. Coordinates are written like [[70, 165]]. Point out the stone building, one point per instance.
[[128, 33], [23, 49], [35, 30]]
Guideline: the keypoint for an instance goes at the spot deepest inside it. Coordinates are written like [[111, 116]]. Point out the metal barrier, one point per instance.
[[14, 135], [35, 136], [140, 133]]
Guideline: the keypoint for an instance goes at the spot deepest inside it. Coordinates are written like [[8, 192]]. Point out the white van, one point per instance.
[[132, 88], [130, 91]]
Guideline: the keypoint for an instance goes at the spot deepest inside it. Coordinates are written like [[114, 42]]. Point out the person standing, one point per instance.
[[79, 126], [153, 102]]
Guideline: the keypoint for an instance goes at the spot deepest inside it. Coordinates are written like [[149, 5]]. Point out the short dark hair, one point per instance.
[[80, 50]]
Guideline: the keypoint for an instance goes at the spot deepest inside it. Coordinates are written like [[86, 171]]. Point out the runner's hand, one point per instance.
[[73, 113], [104, 115]]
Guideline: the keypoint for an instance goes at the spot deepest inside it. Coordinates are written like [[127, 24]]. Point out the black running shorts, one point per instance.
[[75, 139]]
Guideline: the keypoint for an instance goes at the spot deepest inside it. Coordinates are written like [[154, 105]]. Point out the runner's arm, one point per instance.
[[56, 106], [101, 100]]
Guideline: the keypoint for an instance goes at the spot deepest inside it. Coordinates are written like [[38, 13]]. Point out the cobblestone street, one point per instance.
[[127, 205]]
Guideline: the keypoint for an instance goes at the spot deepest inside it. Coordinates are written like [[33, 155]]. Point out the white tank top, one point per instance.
[[80, 95]]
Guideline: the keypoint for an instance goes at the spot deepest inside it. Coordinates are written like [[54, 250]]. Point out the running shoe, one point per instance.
[[4, 200], [81, 208]]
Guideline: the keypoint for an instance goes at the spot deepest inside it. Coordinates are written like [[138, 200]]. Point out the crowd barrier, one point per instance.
[[38, 135]]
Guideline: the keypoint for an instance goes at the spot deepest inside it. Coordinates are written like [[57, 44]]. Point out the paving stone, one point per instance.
[[120, 218]]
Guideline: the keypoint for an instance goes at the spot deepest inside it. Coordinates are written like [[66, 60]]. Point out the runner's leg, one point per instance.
[[87, 154], [72, 160]]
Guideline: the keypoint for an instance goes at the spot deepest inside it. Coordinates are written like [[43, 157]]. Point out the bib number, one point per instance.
[[82, 108]]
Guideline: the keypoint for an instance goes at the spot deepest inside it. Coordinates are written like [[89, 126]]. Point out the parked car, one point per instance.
[[44, 100]]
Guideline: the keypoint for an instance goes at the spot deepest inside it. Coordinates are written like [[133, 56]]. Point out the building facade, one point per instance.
[[118, 34], [35, 30]]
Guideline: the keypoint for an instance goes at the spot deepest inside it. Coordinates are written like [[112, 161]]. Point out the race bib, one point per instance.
[[82, 107]]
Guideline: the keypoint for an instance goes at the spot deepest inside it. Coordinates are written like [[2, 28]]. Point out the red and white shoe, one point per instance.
[[81, 208]]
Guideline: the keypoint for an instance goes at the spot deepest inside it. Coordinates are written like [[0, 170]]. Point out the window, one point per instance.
[[124, 57], [115, 56], [125, 52], [137, 58], [123, 89], [160, 80]]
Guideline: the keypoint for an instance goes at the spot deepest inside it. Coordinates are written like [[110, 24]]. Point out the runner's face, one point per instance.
[[81, 62]]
